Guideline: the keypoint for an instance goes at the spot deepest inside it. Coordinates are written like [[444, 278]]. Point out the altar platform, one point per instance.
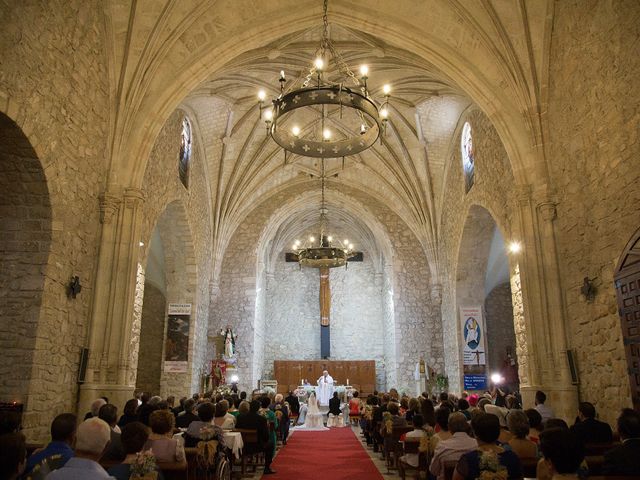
[[359, 374]]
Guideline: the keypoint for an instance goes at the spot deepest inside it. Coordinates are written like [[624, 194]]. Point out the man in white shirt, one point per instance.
[[325, 389], [545, 412], [453, 448], [413, 459]]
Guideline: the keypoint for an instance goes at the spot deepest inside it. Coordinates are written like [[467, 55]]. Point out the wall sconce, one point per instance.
[[74, 287], [588, 289]]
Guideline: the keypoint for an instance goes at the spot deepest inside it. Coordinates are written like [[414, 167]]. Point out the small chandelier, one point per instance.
[[316, 92], [325, 252]]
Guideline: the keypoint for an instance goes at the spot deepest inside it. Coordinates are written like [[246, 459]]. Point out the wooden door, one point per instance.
[[627, 282]]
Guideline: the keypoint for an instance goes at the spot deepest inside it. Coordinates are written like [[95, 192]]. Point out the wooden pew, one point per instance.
[[412, 445]]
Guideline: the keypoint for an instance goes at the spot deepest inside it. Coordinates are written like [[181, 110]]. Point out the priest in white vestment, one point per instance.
[[325, 389]]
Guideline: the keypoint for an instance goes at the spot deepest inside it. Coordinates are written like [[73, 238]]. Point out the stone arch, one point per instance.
[[25, 243], [169, 275], [484, 279]]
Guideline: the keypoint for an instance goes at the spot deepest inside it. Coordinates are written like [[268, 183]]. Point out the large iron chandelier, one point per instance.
[[323, 252], [340, 100]]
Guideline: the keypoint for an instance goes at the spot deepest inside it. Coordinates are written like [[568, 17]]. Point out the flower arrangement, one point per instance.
[[223, 390], [387, 420], [490, 468], [426, 442], [144, 467], [269, 390]]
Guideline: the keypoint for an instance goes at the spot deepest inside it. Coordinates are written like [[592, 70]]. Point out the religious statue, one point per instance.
[[325, 389], [229, 342]]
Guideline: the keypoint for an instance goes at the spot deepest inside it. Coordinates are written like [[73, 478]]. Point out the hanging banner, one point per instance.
[[472, 325], [176, 348]]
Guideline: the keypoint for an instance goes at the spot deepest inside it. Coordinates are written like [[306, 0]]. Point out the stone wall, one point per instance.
[[183, 218], [498, 311], [494, 192], [53, 84], [593, 160], [151, 340], [293, 315]]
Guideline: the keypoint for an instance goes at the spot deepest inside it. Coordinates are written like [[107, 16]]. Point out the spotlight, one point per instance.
[[234, 379], [496, 378], [515, 247], [141, 244]]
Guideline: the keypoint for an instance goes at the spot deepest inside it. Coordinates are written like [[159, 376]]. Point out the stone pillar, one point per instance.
[[111, 370], [539, 317]]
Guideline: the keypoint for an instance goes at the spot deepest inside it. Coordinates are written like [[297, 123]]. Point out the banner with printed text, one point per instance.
[[472, 325], [176, 356]]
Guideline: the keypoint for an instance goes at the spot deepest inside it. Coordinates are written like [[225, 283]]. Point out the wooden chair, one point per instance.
[[449, 468], [393, 446], [252, 451], [595, 463], [412, 445]]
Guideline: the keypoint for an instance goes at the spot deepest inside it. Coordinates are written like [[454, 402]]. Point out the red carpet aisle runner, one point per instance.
[[330, 455]]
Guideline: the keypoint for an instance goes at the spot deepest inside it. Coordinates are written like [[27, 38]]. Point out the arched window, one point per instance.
[[185, 152], [468, 161]]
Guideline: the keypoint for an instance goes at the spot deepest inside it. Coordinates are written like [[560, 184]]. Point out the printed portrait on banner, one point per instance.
[[468, 159]]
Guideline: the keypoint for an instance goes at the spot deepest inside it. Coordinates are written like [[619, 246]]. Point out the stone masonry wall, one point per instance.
[[293, 316], [53, 84], [184, 219], [498, 311], [493, 190], [151, 340], [593, 159]]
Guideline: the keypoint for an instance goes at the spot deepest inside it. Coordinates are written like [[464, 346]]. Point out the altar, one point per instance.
[[358, 374]]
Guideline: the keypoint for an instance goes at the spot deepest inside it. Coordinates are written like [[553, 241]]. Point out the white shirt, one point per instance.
[[413, 459], [450, 450], [545, 412]]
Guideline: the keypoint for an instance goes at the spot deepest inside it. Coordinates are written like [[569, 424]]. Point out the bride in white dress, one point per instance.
[[313, 419]]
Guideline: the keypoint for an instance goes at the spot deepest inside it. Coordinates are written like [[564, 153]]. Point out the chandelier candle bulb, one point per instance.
[[386, 89], [262, 95], [295, 130], [384, 113], [326, 134], [364, 70], [318, 63], [282, 77]]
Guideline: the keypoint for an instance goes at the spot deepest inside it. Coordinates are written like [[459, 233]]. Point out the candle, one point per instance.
[[282, 75], [347, 381]]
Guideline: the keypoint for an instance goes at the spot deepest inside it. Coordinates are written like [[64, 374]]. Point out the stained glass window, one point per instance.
[[185, 152], [468, 161]]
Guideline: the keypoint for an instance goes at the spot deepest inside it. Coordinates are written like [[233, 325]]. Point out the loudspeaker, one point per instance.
[[573, 369], [84, 358]]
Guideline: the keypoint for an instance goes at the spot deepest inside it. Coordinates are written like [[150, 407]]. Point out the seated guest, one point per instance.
[[161, 441], [13, 455], [252, 420], [146, 409], [418, 432], [625, 459], [129, 412], [463, 407], [222, 418], [519, 427], [442, 425], [562, 451], [486, 429], [204, 425], [63, 434], [428, 412], [234, 401], [393, 409], [92, 437], [404, 406], [414, 409], [535, 424], [114, 452], [545, 412], [95, 408], [134, 436], [184, 419], [451, 449], [588, 429]]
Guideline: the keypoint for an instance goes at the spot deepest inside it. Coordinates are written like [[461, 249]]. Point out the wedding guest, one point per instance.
[[254, 421], [418, 432], [114, 452], [625, 459], [95, 408], [294, 403], [563, 452], [535, 424], [486, 429], [205, 425], [428, 412], [63, 435], [545, 412], [281, 410], [92, 437], [451, 449], [134, 436], [588, 429], [463, 407], [442, 425], [161, 441], [222, 418], [129, 412], [187, 416], [13, 455], [519, 427]]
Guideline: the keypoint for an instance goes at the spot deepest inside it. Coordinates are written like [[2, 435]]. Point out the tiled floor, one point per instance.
[[376, 457]]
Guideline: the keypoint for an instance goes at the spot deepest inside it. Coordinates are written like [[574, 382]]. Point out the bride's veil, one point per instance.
[[313, 403]]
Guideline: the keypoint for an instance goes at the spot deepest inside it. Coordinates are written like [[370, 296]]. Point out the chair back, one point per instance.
[[449, 468]]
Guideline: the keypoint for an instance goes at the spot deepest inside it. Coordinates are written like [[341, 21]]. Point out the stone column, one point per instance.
[[110, 370]]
